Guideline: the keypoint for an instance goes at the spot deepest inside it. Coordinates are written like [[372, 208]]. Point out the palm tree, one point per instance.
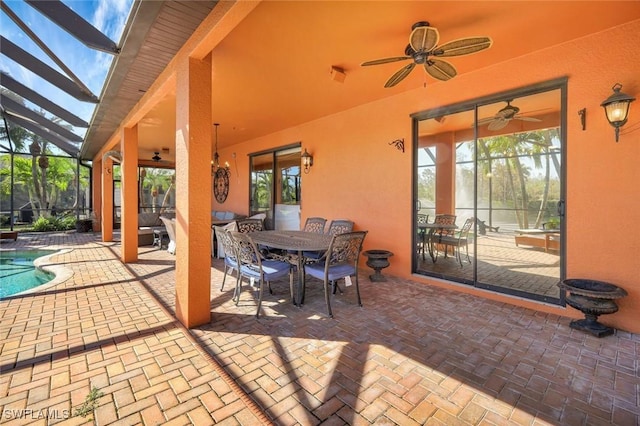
[[261, 183], [512, 148], [157, 180]]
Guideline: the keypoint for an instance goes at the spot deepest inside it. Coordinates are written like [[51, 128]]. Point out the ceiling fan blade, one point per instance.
[[441, 70], [485, 120], [497, 124], [385, 60], [528, 119], [463, 46], [400, 75], [423, 39]]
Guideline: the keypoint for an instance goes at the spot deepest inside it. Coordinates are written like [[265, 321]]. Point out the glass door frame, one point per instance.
[[474, 104]]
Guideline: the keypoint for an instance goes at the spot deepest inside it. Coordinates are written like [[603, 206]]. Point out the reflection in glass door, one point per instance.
[[497, 166], [275, 187]]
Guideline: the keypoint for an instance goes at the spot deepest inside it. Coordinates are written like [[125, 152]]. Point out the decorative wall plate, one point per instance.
[[221, 185]]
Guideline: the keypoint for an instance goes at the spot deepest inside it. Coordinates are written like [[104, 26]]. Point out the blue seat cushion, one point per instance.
[[273, 269], [232, 263], [316, 270]]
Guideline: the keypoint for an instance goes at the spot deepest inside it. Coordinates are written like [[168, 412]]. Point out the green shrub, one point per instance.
[[44, 224], [67, 223]]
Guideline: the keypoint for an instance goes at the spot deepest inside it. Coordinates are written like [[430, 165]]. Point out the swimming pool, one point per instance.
[[18, 273]]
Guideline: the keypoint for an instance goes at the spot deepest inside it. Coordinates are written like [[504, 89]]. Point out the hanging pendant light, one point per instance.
[[215, 163]]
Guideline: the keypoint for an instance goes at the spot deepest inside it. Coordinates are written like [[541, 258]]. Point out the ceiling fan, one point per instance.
[[156, 158], [504, 116], [423, 49]]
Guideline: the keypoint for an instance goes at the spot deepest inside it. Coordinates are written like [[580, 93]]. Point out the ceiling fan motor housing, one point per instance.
[[419, 24]]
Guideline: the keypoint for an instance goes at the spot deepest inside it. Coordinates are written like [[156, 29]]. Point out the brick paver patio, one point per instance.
[[413, 354]]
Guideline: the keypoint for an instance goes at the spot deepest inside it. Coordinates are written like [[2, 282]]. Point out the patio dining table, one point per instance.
[[432, 227], [298, 241]]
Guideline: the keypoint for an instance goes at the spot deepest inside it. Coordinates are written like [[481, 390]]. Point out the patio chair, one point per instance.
[[253, 266], [341, 261], [230, 262], [438, 233], [170, 225], [459, 240], [249, 225], [337, 226]]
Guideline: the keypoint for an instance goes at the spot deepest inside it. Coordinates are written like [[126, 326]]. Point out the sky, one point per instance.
[[90, 66]]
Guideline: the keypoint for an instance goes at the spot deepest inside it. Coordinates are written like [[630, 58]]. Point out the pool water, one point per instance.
[[17, 272]]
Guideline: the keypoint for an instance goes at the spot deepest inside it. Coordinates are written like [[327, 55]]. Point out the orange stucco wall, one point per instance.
[[358, 175]]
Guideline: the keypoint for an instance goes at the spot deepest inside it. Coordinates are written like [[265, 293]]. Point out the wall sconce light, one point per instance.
[[616, 107], [307, 160]]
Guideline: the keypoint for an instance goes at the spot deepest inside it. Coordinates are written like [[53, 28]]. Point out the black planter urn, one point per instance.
[[377, 260], [592, 298]]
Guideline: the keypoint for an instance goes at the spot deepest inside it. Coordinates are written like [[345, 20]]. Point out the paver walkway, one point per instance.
[[413, 354]]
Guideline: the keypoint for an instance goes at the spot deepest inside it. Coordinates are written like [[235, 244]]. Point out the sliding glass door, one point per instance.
[[275, 187], [496, 164]]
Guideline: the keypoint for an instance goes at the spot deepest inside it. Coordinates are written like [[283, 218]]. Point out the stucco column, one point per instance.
[[96, 189], [445, 178], [129, 194], [193, 191], [107, 199]]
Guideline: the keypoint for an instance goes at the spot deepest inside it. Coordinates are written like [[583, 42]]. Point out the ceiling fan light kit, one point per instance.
[[423, 49]]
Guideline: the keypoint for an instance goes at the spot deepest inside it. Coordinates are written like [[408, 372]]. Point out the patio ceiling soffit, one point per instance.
[[146, 51], [22, 116]]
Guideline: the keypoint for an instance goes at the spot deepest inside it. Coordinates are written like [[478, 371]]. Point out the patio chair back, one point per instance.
[[215, 242], [340, 226], [341, 260], [249, 225], [315, 224], [445, 219], [223, 236], [170, 225], [422, 234]]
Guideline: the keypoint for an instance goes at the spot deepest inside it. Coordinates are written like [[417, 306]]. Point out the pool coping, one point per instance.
[[61, 273]]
